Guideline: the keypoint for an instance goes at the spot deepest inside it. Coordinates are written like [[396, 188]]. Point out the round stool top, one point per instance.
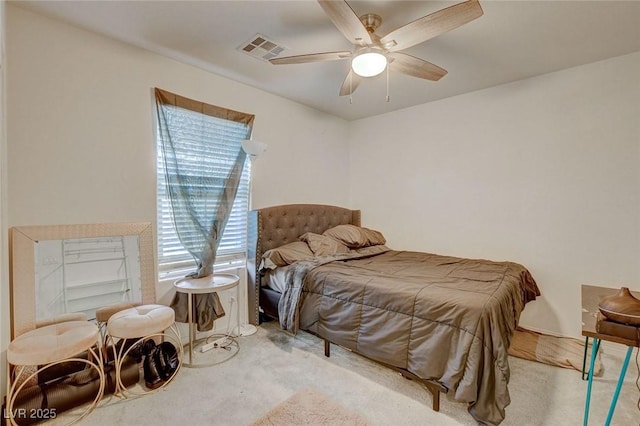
[[72, 316], [103, 314], [52, 343], [141, 321]]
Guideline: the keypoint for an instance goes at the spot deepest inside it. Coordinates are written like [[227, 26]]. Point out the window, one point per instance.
[[200, 154]]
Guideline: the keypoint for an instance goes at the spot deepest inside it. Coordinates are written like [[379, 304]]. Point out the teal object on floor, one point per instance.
[[594, 353], [623, 372], [614, 401]]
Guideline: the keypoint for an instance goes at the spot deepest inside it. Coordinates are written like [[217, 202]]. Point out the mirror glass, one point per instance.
[[57, 269], [84, 274]]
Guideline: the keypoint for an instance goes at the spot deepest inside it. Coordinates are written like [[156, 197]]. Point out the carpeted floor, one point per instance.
[[311, 407], [271, 366]]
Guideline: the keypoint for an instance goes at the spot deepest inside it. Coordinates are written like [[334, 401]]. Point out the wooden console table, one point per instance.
[[591, 296]]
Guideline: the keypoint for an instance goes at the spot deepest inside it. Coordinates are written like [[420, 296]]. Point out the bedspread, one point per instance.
[[441, 318]]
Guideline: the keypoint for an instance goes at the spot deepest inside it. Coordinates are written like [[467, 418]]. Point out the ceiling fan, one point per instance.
[[372, 53]]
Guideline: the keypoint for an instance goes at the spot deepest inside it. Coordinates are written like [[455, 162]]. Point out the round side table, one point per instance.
[[210, 284]]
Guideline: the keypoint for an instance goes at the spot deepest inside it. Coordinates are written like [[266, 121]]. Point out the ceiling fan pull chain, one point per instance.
[[387, 82]]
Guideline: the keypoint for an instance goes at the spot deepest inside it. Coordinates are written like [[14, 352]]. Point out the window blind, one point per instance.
[[202, 155]]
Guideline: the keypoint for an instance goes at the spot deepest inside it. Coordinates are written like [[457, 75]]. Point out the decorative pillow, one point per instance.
[[355, 236], [286, 255], [323, 246]]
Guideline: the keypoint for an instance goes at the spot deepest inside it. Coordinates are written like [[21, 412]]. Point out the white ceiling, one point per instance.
[[511, 41]]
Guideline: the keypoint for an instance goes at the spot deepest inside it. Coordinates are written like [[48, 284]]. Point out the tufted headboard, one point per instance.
[[272, 227]]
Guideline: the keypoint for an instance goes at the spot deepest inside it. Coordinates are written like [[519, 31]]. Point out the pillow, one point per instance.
[[323, 246], [355, 236], [286, 255]]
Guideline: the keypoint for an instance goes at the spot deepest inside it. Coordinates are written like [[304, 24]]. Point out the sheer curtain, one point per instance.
[[201, 148], [202, 183]]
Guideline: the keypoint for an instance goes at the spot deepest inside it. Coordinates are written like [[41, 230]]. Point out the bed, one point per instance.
[[445, 321]]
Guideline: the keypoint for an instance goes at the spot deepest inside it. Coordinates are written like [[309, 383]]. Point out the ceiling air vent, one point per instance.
[[261, 47]]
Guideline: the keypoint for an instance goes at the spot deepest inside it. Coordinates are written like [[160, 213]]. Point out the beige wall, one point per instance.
[[4, 273], [81, 145], [81, 138], [542, 171]]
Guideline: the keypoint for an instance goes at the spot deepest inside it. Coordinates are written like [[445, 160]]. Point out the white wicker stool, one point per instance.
[[46, 347], [142, 323]]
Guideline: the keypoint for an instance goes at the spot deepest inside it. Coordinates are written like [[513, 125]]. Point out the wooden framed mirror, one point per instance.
[[58, 269]]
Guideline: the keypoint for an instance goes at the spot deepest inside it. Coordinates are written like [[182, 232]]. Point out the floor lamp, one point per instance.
[[253, 149]]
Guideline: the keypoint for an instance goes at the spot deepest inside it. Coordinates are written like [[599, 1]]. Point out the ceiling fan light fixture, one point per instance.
[[369, 63]]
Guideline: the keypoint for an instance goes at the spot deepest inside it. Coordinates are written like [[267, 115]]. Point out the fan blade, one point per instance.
[[416, 67], [313, 57], [346, 20], [350, 83], [432, 25]]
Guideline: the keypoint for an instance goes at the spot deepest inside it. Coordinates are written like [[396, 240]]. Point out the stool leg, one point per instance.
[[13, 389], [117, 365], [99, 366], [623, 372], [239, 334], [104, 340], [191, 330], [9, 414], [8, 384], [18, 384], [178, 340], [594, 353], [584, 357]]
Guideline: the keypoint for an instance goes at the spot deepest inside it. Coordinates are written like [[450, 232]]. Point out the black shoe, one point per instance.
[[146, 348], [165, 356], [139, 351], [152, 378]]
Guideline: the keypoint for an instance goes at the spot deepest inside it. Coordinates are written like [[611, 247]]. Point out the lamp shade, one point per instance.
[[369, 63], [254, 148]]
